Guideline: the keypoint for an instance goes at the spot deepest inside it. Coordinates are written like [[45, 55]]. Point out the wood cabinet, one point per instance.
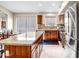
[[51, 35], [24, 51], [17, 51], [47, 34], [61, 19], [54, 34], [39, 19]]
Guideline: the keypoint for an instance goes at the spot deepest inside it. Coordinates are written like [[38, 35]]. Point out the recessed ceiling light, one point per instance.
[[53, 4], [50, 10], [39, 4], [50, 14]]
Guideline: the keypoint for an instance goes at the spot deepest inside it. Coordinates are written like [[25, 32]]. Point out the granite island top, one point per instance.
[[22, 39]]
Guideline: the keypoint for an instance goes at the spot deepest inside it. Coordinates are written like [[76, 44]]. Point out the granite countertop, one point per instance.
[[48, 28], [22, 39]]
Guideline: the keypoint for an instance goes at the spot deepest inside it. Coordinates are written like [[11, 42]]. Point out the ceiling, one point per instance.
[[32, 6]]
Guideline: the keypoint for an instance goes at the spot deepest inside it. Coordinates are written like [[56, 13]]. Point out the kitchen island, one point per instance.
[[51, 33], [23, 45]]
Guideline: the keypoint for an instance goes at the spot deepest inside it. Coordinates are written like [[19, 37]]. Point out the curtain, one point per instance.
[[25, 23]]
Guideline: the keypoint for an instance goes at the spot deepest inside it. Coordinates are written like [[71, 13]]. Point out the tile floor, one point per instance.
[[56, 51]]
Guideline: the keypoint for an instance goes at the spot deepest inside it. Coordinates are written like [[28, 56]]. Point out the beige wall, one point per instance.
[[10, 17]]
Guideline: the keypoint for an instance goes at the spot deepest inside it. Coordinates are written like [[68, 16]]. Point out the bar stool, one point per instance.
[[1, 50]]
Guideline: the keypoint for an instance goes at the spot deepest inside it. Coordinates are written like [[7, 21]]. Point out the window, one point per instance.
[[21, 24], [25, 23], [50, 20]]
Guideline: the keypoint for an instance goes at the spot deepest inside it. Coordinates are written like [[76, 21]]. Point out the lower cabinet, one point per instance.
[[24, 51], [47, 34], [51, 35], [13, 51]]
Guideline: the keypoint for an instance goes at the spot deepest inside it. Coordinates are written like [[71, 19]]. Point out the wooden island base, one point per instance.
[[24, 51], [17, 51]]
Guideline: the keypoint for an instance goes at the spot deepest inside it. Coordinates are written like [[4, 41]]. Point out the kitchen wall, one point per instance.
[[10, 17]]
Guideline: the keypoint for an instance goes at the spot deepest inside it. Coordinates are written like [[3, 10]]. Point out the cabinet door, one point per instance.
[[47, 35], [39, 19], [18, 50], [10, 51], [61, 19], [7, 52], [26, 51], [54, 35]]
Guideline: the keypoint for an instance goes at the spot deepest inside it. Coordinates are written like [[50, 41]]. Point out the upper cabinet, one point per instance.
[[39, 19], [61, 19]]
